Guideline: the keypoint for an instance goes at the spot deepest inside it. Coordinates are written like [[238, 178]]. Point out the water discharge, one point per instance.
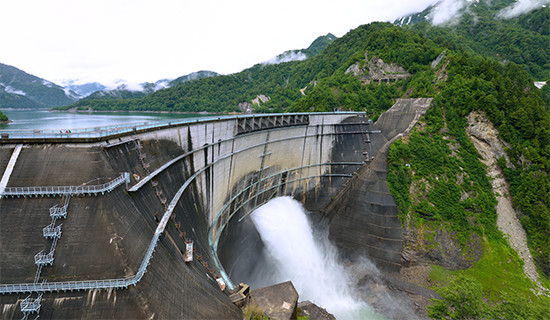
[[295, 252]]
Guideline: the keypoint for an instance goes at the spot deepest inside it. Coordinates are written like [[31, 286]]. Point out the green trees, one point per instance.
[[328, 87], [523, 40], [460, 299]]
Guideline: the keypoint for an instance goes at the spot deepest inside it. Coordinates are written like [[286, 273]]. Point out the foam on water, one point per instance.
[[296, 253]]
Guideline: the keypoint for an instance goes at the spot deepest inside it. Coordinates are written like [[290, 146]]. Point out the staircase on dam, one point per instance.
[[184, 181]]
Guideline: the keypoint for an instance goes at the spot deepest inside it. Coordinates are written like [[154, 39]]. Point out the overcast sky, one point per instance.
[[148, 40]]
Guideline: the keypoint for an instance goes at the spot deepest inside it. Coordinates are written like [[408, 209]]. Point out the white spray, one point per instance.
[[308, 261]]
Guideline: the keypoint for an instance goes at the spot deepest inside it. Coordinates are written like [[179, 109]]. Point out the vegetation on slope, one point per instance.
[[438, 181], [282, 82], [19, 89], [522, 40], [3, 117]]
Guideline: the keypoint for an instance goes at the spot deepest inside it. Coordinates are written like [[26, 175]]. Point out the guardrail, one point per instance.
[[66, 190], [102, 284], [102, 132]]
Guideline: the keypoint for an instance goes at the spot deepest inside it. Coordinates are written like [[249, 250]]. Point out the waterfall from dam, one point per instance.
[[295, 252]]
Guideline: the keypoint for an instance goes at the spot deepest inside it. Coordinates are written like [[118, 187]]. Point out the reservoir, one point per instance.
[[46, 120]]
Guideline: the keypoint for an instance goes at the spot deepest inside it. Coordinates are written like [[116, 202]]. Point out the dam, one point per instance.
[[95, 223]]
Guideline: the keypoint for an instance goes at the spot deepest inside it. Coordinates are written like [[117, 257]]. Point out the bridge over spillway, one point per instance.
[[139, 193]]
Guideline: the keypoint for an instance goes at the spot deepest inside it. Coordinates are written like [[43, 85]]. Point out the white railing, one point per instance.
[[66, 190], [101, 132], [51, 231], [30, 305], [99, 284]]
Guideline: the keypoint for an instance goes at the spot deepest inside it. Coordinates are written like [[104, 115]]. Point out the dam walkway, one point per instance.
[[122, 283], [66, 190]]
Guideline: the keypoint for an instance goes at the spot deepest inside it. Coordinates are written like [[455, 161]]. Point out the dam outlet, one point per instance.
[[295, 250]]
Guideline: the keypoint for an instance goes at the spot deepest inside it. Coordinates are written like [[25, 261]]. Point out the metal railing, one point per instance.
[[57, 212], [102, 132], [51, 231], [98, 284], [149, 177], [66, 190], [122, 282], [30, 305], [42, 259]]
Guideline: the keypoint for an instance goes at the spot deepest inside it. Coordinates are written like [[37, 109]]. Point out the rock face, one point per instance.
[[485, 138], [246, 107], [314, 312], [376, 69], [447, 252], [260, 99], [379, 69]]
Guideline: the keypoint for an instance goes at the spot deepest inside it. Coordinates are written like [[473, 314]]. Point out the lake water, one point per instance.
[[46, 120]]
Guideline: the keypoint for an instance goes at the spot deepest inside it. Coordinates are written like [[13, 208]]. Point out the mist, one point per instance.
[[286, 57], [303, 254], [448, 11], [521, 7]]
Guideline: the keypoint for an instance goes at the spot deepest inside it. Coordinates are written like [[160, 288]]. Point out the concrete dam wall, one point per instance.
[[120, 252]]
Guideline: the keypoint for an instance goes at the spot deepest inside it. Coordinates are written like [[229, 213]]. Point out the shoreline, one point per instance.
[[74, 110]]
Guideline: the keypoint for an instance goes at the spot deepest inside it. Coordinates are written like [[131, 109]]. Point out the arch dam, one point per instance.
[[95, 223]]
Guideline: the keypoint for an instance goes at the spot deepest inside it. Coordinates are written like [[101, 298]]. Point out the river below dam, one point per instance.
[[47, 120]]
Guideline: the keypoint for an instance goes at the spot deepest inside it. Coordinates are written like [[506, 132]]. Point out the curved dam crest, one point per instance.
[[228, 167]]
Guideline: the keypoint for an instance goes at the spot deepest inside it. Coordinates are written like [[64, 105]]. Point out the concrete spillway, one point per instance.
[[213, 172]]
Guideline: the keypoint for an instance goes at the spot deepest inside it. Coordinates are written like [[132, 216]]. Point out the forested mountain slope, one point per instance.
[[19, 89], [523, 40]]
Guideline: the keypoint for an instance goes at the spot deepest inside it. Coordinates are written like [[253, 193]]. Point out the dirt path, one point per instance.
[[484, 136]]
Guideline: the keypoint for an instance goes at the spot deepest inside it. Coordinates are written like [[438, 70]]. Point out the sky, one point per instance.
[[148, 40]]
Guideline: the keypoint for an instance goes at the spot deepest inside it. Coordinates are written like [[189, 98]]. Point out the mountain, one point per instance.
[[83, 90], [492, 28], [243, 87], [316, 47], [192, 76], [19, 89], [480, 70], [122, 92]]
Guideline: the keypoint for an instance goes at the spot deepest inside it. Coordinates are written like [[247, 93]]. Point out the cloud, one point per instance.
[[143, 40], [521, 7], [9, 89], [449, 11], [286, 57]]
